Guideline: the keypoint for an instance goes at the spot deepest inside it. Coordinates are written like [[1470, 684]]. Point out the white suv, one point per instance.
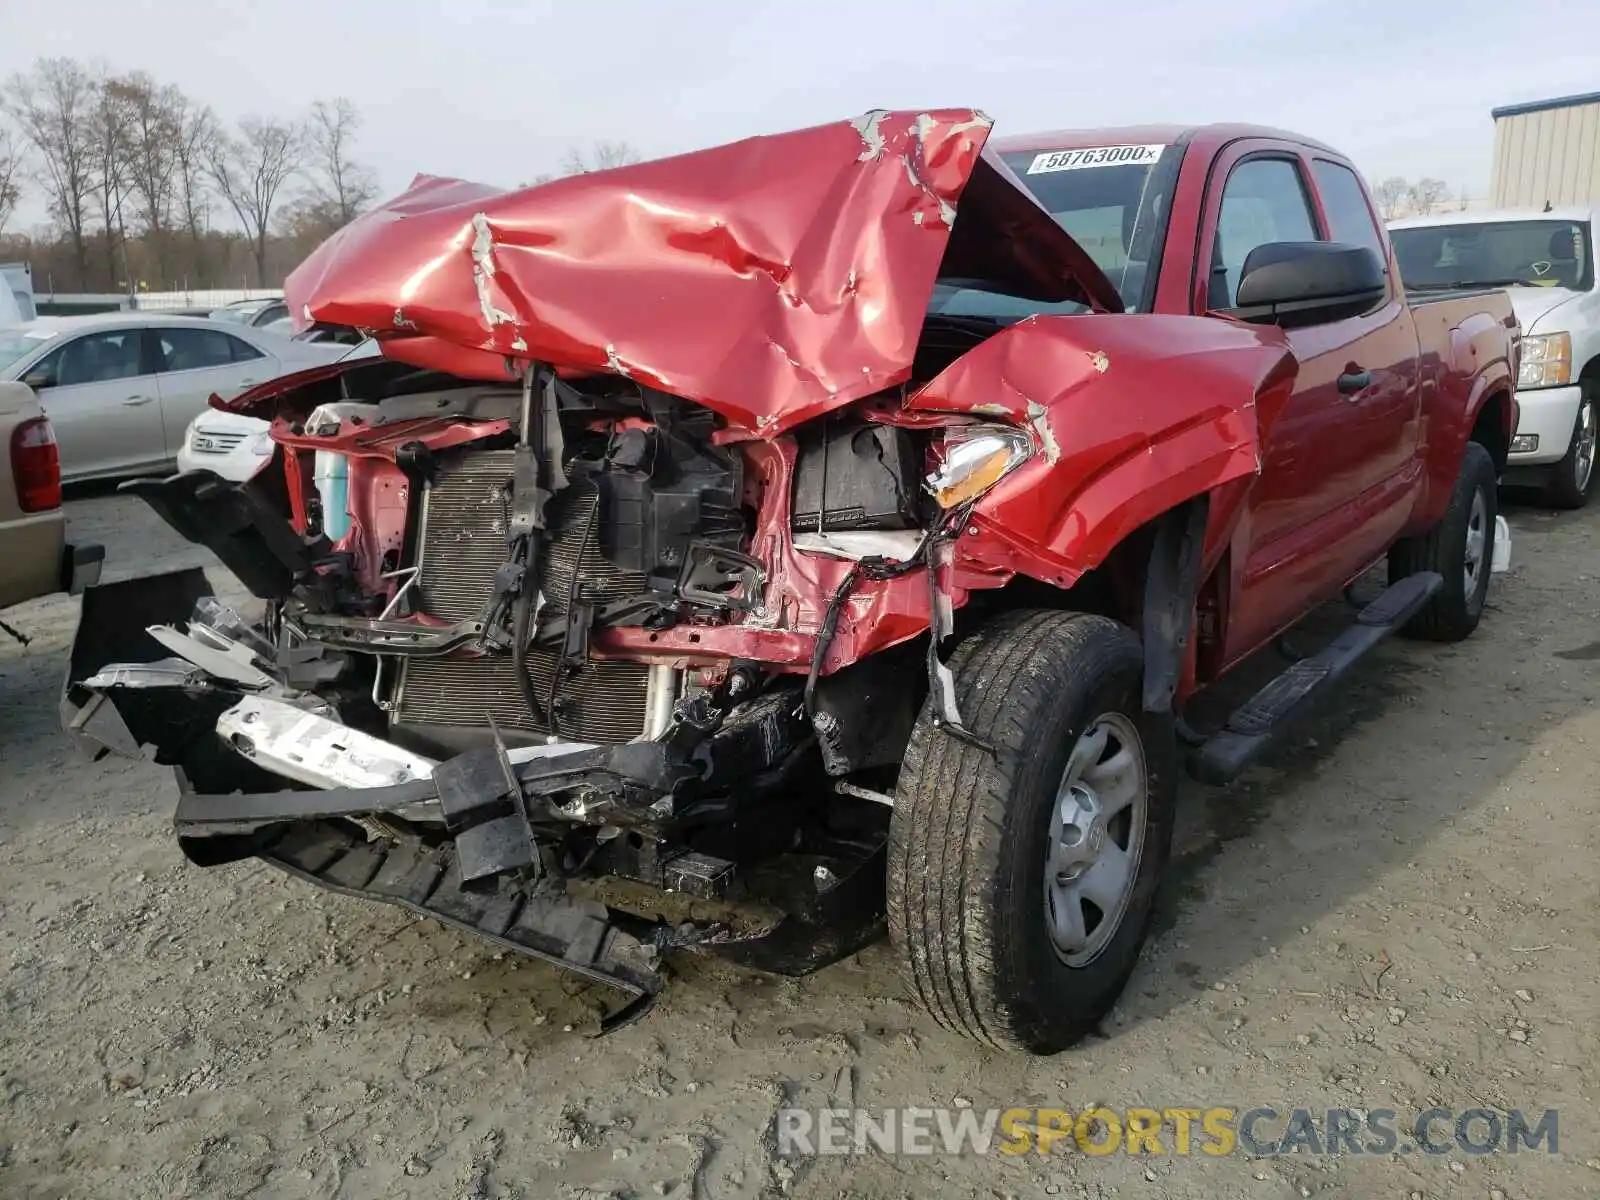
[[1547, 262]]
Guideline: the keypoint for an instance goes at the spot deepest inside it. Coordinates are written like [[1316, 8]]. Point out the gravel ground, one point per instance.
[[1398, 909]]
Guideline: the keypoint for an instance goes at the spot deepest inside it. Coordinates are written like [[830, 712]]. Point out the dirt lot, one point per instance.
[[1399, 910]]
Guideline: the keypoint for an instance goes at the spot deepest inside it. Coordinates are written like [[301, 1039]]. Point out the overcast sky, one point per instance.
[[498, 90]]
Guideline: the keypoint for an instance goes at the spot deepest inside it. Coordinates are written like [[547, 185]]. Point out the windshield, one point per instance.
[[1534, 253], [17, 344], [1113, 200]]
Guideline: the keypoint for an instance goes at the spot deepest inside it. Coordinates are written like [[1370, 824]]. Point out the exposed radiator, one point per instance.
[[462, 543]]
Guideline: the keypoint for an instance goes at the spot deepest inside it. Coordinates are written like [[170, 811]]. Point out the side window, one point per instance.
[[1349, 218], [50, 365], [242, 350], [1263, 201], [194, 349], [95, 358]]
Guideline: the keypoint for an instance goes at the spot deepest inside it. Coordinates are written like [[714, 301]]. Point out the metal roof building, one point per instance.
[[1547, 152]]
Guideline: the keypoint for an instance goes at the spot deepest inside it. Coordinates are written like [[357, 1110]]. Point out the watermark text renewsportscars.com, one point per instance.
[[1260, 1131]]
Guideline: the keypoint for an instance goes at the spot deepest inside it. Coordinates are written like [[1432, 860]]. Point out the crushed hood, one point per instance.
[[772, 279]]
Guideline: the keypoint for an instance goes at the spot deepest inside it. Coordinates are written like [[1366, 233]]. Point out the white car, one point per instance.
[[1547, 262], [120, 389], [234, 446]]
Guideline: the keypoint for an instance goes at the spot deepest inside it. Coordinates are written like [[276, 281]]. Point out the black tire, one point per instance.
[[970, 833], [1455, 609], [1572, 479]]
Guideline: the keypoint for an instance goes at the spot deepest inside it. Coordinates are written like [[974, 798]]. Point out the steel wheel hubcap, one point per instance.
[[1477, 540], [1583, 461], [1097, 826]]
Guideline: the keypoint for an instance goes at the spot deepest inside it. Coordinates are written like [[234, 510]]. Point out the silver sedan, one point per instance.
[[121, 389]]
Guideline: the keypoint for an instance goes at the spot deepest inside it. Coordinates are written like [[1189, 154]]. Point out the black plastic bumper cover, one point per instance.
[[80, 566], [111, 629], [537, 920]]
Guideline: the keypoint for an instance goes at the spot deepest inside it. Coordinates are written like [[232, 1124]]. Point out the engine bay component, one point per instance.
[[313, 749], [239, 523], [663, 486], [460, 550], [229, 660], [853, 476], [461, 542]]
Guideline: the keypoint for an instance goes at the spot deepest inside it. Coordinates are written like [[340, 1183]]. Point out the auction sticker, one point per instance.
[[1095, 156]]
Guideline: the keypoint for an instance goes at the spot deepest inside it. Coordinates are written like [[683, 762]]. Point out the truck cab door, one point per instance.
[[1339, 468]]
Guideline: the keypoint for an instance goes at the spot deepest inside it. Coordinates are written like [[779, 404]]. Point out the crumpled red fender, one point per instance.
[[1131, 414]]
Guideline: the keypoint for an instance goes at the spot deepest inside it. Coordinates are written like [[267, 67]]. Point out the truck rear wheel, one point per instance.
[[1020, 885], [1460, 548]]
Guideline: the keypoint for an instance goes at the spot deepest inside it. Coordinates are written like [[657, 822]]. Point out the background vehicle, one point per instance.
[[1547, 262], [35, 558], [121, 389], [235, 446], [338, 335], [667, 599], [231, 444], [255, 313], [16, 304]]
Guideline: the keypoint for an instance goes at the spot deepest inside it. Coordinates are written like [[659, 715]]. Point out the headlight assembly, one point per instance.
[[975, 458], [1546, 360], [261, 444]]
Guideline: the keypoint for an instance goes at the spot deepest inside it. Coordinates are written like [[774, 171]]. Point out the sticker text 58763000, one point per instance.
[[1095, 156]]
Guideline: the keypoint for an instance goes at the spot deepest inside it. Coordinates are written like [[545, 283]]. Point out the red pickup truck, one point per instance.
[[757, 550]]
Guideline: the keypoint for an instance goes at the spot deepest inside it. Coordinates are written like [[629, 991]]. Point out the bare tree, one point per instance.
[[54, 106], [601, 156], [110, 128], [340, 186], [1424, 195], [250, 172], [10, 177], [1390, 195], [192, 152], [153, 117]]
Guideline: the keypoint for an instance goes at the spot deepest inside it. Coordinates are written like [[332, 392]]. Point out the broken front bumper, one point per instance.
[[268, 773], [601, 943], [80, 566]]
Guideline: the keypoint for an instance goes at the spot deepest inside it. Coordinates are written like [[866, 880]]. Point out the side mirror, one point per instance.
[[39, 380], [1307, 283]]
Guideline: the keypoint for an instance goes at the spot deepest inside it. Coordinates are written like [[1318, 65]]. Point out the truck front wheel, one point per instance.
[[1570, 479], [1021, 884]]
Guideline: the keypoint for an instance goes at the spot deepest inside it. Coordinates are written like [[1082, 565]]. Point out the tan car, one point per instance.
[[35, 558]]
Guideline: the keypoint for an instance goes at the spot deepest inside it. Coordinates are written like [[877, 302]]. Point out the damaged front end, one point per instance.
[[604, 644], [533, 659], [493, 678]]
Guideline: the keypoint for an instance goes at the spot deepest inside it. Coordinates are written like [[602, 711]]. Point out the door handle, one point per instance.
[[1352, 382], [133, 400]]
